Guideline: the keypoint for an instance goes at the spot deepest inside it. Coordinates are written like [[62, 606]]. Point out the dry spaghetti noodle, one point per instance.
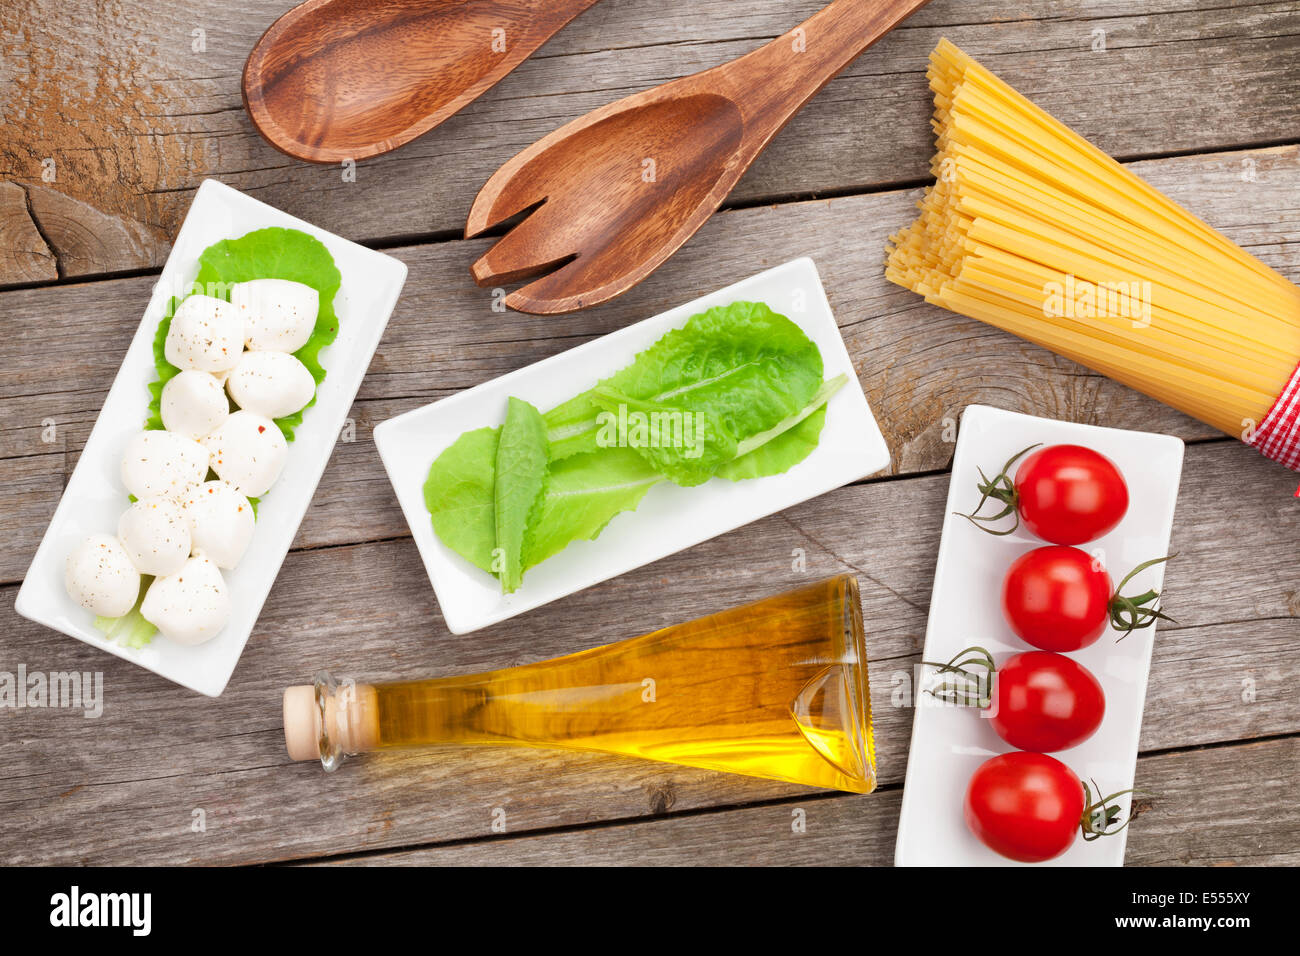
[[1031, 228]]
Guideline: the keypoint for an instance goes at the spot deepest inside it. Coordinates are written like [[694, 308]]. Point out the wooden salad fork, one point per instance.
[[611, 195], [334, 80]]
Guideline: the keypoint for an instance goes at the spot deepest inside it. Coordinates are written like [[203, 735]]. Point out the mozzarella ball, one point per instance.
[[206, 334], [160, 464], [221, 522], [273, 384], [193, 404], [249, 451], [156, 535], [100, 577], [190, 606], [278, 315]]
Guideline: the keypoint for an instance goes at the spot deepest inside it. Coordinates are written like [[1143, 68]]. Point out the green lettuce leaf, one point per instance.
[[581, 495], [780, 448], [685, 445], [743, 364], [165, 370], [781, 454], [521, 462], [460, 494]]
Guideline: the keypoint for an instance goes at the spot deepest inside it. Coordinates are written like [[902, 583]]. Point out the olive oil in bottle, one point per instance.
[[774, 689]]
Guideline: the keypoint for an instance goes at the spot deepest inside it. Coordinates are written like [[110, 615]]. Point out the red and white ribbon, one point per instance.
[[1278, 435]]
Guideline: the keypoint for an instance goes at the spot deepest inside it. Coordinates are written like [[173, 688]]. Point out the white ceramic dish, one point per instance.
[[95, 497], [670, 518], [949, 743]]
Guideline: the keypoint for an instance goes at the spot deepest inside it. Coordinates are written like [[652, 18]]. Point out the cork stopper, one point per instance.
[[301, 723], [350, 725]]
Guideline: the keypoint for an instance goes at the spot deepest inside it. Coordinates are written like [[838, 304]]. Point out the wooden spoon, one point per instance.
[[333, 80], [618, 191]]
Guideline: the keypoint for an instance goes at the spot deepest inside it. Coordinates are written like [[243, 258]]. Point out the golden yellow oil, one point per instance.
[[775, 689]]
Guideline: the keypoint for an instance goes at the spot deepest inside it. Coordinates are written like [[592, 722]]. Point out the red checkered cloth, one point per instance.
[[1278, 435]]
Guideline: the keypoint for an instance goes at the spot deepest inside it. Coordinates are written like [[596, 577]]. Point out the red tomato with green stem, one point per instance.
[[1065, 494], [1030, 807], [1036, 700], [1059, 598]]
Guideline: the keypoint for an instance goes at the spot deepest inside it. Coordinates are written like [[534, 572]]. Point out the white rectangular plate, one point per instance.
[[670, 517], [949, 743], [95, 497]]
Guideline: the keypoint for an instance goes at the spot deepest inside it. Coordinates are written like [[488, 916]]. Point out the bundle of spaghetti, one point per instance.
[[1031, 228]]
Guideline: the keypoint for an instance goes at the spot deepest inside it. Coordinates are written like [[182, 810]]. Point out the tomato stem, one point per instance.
[[1000, 488], [1128, 614], [966, 689], [1099, 817]]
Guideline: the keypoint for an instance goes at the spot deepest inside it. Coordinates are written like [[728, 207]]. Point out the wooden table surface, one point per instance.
[[114, 112]]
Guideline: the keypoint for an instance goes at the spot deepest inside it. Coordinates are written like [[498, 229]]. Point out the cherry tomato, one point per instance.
[[1057, 598], [1068, 494], [1025, 806], [1065, 494], [1045, 702]]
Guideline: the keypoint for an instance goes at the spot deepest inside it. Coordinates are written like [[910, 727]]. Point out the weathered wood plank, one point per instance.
[[24, 256], [367, 611], [919, 365], [1250, 825], [135, 104]]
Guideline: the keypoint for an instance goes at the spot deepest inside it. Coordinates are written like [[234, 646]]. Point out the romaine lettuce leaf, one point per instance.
[[581, 495], [742, 363], [684, 445], [780, 448], [521, 462], [460, 496]]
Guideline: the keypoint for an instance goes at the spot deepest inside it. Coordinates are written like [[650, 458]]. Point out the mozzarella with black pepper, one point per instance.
[[156, 535], [249, 451], [278, 314], [193, 403], [99, 576], [273, 384], [190, 606], [160, 464], [206, 334], [221, 522]]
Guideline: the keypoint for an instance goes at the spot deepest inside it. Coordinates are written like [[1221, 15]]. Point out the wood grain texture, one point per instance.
[[366, 611], [1174, 75], [853, 830], [24, 256], [919, 365]]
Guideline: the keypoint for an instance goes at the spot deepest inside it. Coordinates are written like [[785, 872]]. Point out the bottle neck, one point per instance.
[[331, 719], [337, 717]]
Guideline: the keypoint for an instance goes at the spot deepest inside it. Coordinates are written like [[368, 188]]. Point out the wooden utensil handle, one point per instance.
[[772, 83]]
